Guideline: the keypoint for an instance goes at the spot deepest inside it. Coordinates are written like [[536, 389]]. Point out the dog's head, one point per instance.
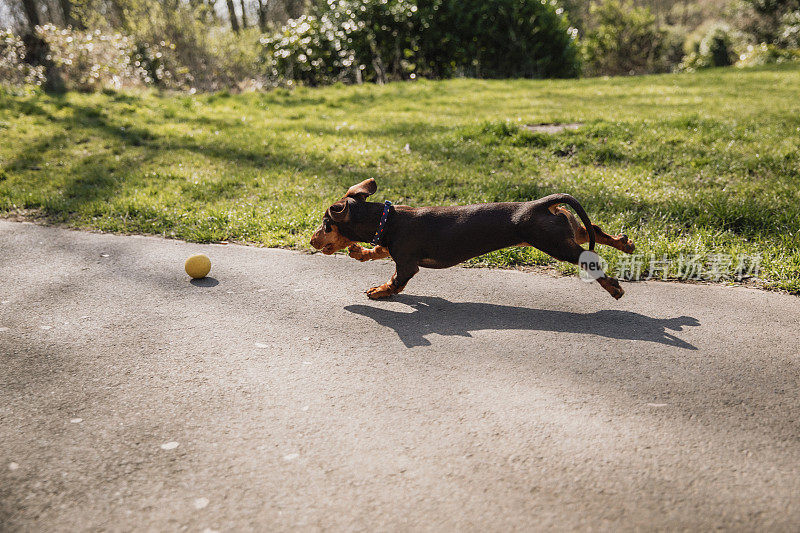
[[329, 237]]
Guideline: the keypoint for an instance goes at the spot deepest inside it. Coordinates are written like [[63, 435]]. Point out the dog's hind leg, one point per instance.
[[620, 242], [571, 251]]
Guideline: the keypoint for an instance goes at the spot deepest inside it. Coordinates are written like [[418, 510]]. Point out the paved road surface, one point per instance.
[[481, 398]]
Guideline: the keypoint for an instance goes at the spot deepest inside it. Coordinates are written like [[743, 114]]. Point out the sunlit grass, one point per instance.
[[687, 164]]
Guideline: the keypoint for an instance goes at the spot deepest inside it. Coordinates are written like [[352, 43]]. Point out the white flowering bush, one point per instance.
[[159, 64], [345, 39], [790, 30], [766, 54], [92, 60], [95, 60], [365, 40], [711, 46], [310, 49], [13, 68]]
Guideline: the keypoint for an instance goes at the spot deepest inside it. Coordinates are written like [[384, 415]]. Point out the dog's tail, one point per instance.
[[562, 198]]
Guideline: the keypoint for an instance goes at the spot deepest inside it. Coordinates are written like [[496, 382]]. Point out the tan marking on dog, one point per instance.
[[387, 289], [620, 242], [365, 254], [623, 244], [331, 242], [581, 235], [381, 291]]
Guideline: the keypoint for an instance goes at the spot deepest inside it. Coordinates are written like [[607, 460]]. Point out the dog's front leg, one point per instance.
[[396, 284], [366, 254]]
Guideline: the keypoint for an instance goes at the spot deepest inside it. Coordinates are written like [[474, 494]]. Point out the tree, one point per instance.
[[294, 8], [31, 10], [764, 22], [262, 16], [244, 14], [37, 50], [69, 14], [232, 15]]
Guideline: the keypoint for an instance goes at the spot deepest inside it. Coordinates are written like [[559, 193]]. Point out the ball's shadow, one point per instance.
[[205, 282]]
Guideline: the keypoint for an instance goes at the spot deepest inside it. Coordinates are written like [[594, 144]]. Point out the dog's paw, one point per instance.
[[626, 245], [357, 252], [612, 286], [383, 291]]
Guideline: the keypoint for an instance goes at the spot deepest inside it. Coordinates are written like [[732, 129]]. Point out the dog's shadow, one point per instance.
[[437, 315]]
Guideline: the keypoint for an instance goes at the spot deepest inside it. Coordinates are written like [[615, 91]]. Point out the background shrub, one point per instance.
[[673, 47], [500, 39], [625, 40], [239, 44], [180, 48], [311, 50], [13, 68], [789, 32], [765, 54], [381, 40], [712, 45], [91, 60], [359, 39], [762, 19]]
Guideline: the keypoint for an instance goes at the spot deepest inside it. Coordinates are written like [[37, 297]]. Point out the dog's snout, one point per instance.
[[329, 242], [316, 241]]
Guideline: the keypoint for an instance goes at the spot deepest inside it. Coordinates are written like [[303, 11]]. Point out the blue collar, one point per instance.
[[387, 205]]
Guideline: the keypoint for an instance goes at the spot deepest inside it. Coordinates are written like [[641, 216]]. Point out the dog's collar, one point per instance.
[[387, 205]]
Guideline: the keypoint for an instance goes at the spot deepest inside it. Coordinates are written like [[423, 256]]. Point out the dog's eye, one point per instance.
[[326, 225]]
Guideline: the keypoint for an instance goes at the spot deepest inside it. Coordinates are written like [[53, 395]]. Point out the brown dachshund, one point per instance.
[[440, 237]]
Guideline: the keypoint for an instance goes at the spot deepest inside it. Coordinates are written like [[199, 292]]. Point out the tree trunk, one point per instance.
[[377, 62], [116, 14], [262, 16], [211, 10], [37, 50], [294, 8], [244, 14], [36, 53], [31, 14], [69, 17], [232, 14]]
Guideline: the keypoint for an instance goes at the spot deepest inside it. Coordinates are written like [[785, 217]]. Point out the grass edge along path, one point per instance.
[[701, 170]]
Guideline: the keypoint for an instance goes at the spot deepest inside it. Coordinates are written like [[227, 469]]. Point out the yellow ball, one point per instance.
[[198, 266]]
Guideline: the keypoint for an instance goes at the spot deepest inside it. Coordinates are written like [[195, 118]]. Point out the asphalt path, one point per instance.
[[275, 396]]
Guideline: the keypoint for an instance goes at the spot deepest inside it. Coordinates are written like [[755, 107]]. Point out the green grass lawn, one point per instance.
[[703, 165]]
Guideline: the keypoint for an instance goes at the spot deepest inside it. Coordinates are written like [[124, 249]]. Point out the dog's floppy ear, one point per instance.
[[339, 211], [362, 190]]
